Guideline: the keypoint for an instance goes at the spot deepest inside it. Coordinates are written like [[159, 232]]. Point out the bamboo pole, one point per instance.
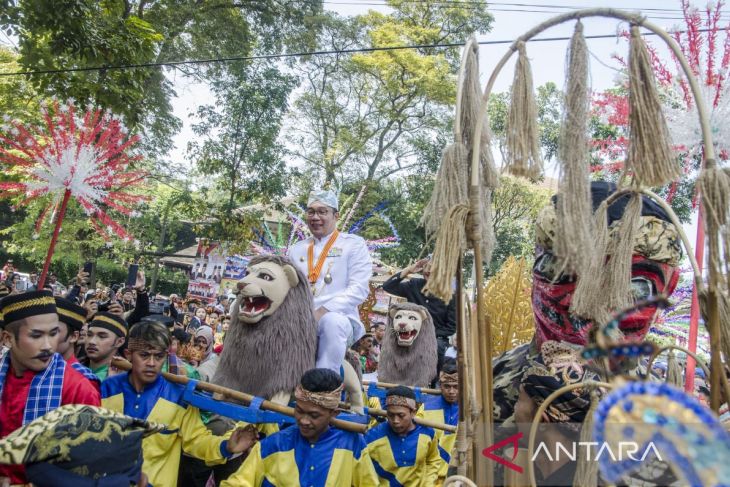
[[484, 427], [717, 371], [243, 397], [388, 385], [461, 340]]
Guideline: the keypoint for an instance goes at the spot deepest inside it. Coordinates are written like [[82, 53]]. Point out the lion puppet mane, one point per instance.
[[270, 356], [413, 366]]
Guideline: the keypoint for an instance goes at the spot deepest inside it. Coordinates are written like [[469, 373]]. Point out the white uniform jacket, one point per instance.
[[348, 263]]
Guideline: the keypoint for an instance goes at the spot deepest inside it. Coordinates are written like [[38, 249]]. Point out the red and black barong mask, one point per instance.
[[655, 261]]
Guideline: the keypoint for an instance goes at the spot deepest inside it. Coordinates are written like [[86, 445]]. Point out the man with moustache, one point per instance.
[[338, 267], [33, 378]]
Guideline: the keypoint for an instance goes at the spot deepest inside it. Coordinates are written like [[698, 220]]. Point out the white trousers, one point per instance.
[[335, 332]]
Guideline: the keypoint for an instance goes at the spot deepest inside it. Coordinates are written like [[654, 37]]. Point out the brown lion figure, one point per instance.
[[272, 338], [409, 352]]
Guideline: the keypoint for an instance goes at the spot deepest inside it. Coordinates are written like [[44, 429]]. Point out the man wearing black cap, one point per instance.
[[33, 378], [106, 333], [72, 316]]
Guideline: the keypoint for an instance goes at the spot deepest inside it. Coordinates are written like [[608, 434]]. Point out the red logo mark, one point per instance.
[[512, 440]]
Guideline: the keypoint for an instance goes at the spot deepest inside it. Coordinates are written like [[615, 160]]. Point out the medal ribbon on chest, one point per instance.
[[313, 271]]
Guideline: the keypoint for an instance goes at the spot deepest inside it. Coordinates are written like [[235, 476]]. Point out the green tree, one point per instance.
[[360, 116], [515, 204], [238, 143], [89, 33], [18, 98], [549, 102]]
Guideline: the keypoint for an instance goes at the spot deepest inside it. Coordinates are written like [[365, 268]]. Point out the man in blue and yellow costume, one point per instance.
[[444, 409], [144, 394], [403, 452], [312, 453]]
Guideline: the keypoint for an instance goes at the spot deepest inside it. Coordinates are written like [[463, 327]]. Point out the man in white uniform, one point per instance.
[[338, 268]]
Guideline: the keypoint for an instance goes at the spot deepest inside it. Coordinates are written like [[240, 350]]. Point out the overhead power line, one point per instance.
[[291, 55], [489, 5], [660, 13]]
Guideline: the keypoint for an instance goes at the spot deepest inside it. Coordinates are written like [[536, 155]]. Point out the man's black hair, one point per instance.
[[321, 380], [152, 332], [401, 391], [181, 335], [449, 366]]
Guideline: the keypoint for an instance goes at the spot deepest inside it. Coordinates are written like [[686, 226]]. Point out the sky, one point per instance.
[[547, 58]]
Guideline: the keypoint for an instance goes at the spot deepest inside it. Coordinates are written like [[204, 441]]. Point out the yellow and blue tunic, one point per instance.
[[162, 402], [287, 459], [435, 408], [410, 460]]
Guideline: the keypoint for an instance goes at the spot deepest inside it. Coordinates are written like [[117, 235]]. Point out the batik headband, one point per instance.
[[400, 401], [140, 345], [656, 239], [445, 378], [327, 400]]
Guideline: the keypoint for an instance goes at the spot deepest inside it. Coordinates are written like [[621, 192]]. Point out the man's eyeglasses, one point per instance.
[[317, 211]]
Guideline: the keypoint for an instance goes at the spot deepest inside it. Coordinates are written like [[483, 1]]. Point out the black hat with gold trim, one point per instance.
[[15, 307], [111, 322], [70, 313]]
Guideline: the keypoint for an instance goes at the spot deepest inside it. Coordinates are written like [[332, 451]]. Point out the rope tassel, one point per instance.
[[469, 112], [523, 145], [650, 154], [588, 300], [450, 244], [586, 472], [450, 188], [617, 285], [674, 370], [574, 242]]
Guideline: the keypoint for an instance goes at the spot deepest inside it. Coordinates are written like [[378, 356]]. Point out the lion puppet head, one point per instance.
[[272, 338], [409, 350]]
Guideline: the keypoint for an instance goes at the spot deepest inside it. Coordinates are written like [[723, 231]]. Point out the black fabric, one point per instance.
[[442, 345], [600, 190], [49, 475], [71, 306], [562, 477], [195, 473], [141, 309], [165, 320], [15, 307], [444, 316], [121, 324]]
